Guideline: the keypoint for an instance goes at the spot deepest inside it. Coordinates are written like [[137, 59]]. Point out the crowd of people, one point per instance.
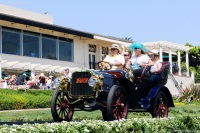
[[37, 79], [135, 63]]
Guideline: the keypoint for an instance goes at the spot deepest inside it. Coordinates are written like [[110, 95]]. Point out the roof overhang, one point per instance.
[[42, 25], [122, 42]]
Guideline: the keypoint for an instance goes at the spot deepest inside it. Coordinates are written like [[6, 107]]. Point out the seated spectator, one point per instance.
[[50, 82], [2, 83], [12, 80], [67, 74], [30, 82], [5, 83], [37, 81], [42, 81], [21, 80]]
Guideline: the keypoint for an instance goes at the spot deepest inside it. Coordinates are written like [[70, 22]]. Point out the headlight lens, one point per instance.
[[92, 82], [56, 82]]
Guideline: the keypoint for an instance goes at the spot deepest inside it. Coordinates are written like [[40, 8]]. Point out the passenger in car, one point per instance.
[[139, 61], [156, 63], [127, 57], [115, 59]]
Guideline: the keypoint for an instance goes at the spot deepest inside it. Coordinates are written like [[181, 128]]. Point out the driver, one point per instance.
[[115, 59]]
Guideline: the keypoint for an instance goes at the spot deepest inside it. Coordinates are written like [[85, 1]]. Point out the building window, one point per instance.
[[49, 49], [92, 61], [92, 56], [92, 48], [66, 49], [104, 52], [11, 41], [31, 44]]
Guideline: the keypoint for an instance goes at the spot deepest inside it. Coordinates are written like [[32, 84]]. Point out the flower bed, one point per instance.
[[178, 124]]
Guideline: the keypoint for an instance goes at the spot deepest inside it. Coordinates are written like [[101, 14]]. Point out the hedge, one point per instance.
[[24, 99]]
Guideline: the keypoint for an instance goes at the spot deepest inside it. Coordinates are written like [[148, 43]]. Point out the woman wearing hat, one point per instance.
[[115, 59], [140, 60], [154, 55], [42, 81]]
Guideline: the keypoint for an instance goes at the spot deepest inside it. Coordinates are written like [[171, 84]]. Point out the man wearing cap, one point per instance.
[[115, 59]]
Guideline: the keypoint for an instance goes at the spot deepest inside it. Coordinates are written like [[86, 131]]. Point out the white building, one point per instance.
[[30, 41]]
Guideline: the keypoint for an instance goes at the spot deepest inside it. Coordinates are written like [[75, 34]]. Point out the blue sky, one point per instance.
[[176, 21]]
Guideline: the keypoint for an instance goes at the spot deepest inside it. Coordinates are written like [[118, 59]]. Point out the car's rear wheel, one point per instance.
[[160, 106], [117, 103], [61, 109]]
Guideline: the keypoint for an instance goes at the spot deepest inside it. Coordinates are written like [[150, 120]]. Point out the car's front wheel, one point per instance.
[[61, 109], [117, 103]]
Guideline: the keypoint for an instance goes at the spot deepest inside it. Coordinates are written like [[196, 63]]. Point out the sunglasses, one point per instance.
[[126, 55], [113, 49]]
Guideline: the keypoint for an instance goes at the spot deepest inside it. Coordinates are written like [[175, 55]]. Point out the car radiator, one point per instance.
[[79, 84]]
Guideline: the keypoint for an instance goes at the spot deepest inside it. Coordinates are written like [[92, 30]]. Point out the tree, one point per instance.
[[194, 59]]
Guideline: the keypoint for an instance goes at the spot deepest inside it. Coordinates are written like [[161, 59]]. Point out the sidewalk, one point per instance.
[[18, 110]]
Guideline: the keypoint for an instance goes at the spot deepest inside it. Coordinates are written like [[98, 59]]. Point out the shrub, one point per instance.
[[24, 99]]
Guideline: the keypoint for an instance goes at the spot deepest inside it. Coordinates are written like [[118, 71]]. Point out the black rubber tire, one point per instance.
[[160, 106], [104, 114], [117, 103], [61, 110]]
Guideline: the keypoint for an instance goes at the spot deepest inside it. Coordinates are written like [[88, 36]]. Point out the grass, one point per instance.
[[181, 109]]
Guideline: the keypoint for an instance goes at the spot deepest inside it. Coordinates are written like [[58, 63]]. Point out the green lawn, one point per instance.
[[37, 115]]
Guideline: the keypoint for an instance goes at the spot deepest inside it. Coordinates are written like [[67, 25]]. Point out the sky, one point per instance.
[[176, 21]]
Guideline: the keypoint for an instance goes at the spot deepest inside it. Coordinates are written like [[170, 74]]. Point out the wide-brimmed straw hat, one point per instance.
[[137, 45], [154, 51], [116, 46]]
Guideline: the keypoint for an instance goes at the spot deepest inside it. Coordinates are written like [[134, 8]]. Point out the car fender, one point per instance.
[[108, 81], [146, 102]]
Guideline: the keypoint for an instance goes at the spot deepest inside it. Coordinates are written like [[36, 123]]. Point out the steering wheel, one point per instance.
[[103, 65]]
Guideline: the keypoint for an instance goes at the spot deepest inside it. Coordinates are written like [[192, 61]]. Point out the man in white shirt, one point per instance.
[[115, 59]]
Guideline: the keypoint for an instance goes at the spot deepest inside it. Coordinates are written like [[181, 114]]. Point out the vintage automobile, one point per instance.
[[113, 92]]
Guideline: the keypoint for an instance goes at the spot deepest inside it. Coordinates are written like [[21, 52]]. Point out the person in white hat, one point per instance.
[[42, 81], [157, 64], [115, 59]]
